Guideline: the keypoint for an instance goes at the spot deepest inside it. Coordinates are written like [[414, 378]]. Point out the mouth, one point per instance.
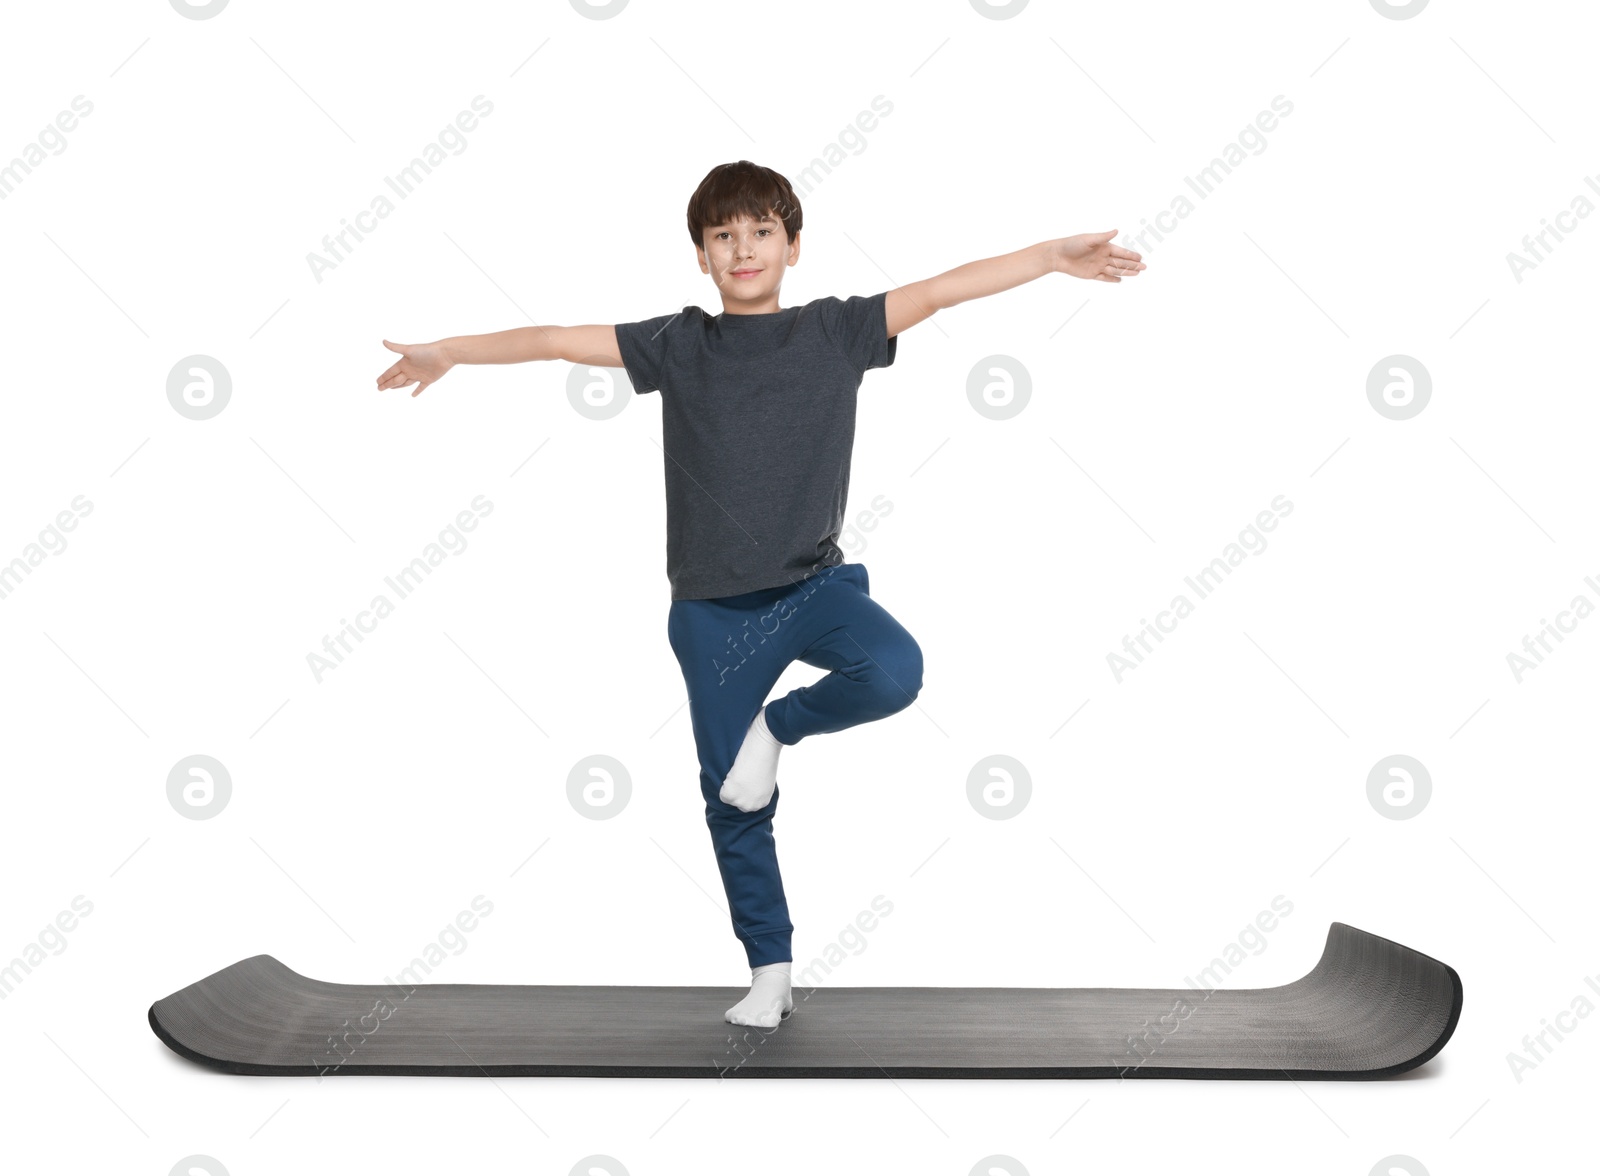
[[744, 273]]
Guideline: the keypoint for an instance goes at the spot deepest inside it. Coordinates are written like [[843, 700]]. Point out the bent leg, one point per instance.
[[875, 664]]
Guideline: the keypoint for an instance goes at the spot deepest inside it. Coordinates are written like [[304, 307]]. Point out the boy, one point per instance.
[[758, 420]]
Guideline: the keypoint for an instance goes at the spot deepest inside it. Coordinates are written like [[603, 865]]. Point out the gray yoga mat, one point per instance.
[[1369, 1009]]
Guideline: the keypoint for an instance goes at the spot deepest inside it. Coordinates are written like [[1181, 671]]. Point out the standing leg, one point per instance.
[[732, 650], [726, 689]]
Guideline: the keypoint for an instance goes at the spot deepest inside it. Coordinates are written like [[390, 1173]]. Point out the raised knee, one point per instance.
[[900, 681], [913, 678]]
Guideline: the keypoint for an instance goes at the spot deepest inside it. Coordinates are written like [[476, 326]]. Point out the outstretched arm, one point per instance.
[[594, 344], [1088, 255]]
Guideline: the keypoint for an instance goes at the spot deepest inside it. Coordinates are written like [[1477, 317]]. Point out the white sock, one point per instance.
[[754, 774], [769, 1000]]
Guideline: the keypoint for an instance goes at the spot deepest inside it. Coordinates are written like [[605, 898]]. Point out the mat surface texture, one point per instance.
[[1370, 1008]]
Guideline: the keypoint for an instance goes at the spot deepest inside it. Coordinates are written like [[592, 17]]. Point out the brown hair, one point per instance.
[[730, 189]]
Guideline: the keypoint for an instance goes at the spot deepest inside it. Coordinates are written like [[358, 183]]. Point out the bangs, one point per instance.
[[733, 190]]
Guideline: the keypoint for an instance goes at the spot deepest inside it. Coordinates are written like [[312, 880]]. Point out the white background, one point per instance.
[[1231, 767]]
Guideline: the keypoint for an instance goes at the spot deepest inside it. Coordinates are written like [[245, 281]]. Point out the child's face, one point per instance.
[[747, 244]]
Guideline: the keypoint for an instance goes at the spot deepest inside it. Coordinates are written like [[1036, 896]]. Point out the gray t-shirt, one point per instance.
[[758, 418]]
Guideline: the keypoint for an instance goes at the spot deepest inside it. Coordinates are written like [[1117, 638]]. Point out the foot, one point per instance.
[[754, 775], [769, 1000]]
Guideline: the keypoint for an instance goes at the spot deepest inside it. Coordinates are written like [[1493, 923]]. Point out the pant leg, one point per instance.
[[730, 662], [732, 650], [875, 664]]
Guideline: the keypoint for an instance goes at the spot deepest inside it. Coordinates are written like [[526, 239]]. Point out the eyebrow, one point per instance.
[[764, 220]]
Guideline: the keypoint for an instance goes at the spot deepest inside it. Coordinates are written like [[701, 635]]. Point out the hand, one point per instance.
[[1091, 255], [426, 362]]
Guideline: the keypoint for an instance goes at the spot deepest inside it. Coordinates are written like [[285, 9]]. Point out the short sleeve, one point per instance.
[[644, 347], [858, 327]]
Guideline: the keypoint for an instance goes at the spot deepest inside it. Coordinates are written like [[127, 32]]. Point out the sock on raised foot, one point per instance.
[[769, 1001], [750, 782]]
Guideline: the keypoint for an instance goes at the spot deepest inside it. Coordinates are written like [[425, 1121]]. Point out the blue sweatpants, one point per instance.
[[732, 650]]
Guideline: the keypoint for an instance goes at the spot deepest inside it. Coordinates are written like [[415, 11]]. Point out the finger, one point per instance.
[[1125, 254], [420, 387], [395, 346]]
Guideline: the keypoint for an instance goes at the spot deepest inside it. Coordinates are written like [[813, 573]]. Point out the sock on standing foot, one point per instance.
[[769, 1001]]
